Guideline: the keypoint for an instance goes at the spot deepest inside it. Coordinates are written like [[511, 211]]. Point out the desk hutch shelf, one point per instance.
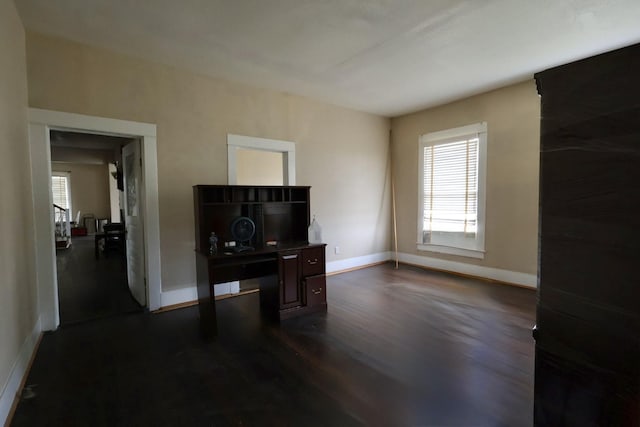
[[291, 271]]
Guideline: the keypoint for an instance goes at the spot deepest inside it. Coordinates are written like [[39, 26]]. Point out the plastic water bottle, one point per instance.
[[315, 232]]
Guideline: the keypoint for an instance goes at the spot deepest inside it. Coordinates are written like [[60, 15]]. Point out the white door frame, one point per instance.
[[40, 123]]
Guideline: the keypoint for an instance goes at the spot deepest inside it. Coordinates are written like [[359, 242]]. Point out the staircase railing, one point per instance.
[[62, 221]]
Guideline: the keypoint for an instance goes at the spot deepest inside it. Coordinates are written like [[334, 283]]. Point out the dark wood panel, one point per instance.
[[280, 213], [289, 268], [589, 88], [588, 338], [206, 304], [582, 395]]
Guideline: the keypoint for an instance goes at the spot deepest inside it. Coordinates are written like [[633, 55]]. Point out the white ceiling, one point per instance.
[[386, 57]]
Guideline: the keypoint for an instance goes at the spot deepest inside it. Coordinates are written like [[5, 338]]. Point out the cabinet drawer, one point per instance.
[[312, 261], [316, 290]]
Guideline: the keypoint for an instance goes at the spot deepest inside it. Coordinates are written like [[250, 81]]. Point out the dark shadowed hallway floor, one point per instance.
[[90, 288]]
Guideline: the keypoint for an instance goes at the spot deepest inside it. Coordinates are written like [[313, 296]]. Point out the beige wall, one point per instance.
[[341, 153], [18, 302], [513, 119], [255, 167], [89, 188]]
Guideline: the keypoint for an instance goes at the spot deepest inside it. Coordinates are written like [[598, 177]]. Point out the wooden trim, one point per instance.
[[40, 123], [93, 124], [473, 270], [195, 302], [360, 267], [239, 294], [16, 398], [468, 276], [393, 201], [175, 306]]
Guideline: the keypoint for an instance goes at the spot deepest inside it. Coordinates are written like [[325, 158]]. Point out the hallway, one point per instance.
[[90, 288]]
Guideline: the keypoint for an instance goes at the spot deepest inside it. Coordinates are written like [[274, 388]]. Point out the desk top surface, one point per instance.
[[265, 251]]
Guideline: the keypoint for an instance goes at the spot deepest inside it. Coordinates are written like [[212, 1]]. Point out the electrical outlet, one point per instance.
[[337, 250]]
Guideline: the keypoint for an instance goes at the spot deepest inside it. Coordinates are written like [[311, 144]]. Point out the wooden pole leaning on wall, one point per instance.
[[393, 201]]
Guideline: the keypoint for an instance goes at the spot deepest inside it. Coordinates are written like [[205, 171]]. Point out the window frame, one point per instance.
[[442, 137], [67, 176]]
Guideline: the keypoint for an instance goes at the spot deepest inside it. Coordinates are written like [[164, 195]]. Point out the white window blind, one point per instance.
[[60, 189], [452, 189]]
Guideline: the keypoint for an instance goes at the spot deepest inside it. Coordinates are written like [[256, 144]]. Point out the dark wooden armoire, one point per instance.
[[587, 333]]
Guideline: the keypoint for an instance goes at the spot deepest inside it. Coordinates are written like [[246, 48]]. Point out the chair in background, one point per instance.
[[114, 238], [89, 223]]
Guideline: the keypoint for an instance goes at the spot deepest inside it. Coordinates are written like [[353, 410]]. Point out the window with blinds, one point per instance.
[[60, 190], [451, 199]]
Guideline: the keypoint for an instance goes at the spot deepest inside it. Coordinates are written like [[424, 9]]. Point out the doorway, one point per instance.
[[41, 122], [92, 273]]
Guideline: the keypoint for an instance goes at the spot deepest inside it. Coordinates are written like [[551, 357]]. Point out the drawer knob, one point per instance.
[[312, 262], [316, 291]]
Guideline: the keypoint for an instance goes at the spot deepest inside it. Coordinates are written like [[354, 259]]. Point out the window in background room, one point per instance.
[[60, 186], [451, 195]]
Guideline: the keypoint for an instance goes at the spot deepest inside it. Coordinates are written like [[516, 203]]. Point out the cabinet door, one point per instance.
[[289, 271]]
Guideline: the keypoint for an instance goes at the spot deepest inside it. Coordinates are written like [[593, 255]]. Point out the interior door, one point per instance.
[[132, 171]]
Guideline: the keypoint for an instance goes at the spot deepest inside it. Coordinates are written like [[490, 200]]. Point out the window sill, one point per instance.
[[469, 253]]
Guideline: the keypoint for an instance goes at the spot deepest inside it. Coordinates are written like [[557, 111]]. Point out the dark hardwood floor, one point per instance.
[[90, 288], [396, 348]]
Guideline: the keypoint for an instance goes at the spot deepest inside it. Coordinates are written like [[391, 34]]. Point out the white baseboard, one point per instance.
[[226, 288], [18, 372], [360, 261], [507, 276], [190, 293], [178, 296]]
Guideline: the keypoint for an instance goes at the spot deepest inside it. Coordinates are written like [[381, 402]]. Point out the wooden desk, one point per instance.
[[292, 280], [292, 275]]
